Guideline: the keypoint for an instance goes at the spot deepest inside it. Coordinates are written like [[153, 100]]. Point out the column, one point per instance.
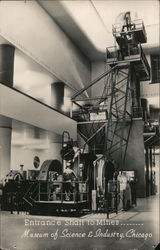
[[5, 150], [151, 173], [147, 171], [6, 77], [57, 95], [57, 102], [6, 64]]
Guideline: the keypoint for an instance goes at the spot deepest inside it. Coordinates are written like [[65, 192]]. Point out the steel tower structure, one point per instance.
[[104, 121]]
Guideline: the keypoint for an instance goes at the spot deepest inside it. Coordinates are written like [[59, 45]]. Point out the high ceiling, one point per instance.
[[89, 23]]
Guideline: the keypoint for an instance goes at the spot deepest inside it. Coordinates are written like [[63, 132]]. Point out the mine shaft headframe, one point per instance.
[[127, 26]]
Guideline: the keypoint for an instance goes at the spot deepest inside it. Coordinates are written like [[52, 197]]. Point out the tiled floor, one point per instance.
[[136, 229], [146, 209]]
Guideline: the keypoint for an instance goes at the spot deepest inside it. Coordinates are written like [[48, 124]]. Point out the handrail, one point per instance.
[[62, 192], [57, 181], [34, 99], [144, 60], [111, 53], [25, 197], [116, 28]]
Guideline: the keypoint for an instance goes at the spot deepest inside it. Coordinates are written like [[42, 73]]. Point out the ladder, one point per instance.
[[119, 121]]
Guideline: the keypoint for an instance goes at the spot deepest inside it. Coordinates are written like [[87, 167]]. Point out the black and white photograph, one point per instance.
[[79, 125]]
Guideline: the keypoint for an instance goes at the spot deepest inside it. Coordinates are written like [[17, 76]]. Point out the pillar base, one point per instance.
[[5, 151]]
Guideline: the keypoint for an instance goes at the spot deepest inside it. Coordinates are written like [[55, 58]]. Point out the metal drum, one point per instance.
[[48, 168]]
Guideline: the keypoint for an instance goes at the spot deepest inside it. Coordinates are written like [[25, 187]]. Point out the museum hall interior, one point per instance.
[[79, 123]]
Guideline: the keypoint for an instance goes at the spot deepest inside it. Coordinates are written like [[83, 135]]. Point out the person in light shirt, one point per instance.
[[68, 177]]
